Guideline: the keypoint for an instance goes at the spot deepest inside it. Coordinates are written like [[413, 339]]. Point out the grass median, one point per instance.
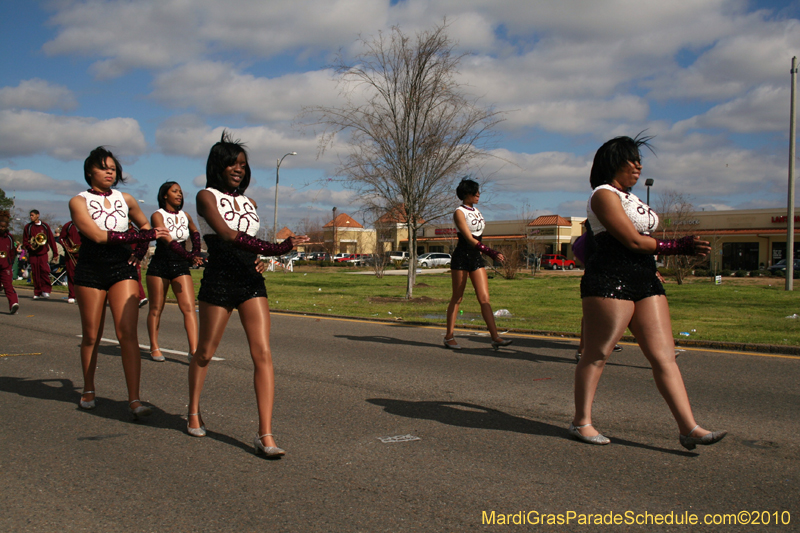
[[745, 310]]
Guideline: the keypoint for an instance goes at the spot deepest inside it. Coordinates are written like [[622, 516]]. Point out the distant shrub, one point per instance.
[[740, 274], [725, 272], [701, 273]]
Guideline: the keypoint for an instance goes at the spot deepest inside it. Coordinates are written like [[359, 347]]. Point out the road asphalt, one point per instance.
[[385, 430]]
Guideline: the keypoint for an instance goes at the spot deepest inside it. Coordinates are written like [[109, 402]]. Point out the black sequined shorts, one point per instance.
[[614, 271], [230, 278], [466, 257], [164, 266], [100, 266]]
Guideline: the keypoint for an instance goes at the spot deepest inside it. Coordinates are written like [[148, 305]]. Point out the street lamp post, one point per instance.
[[333, 246], [277, 179], [648, 183]]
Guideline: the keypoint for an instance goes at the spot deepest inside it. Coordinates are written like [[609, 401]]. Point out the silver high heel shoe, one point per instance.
[[140, 411], [195, 432], [88, 404], [268, 451], [501, 342], [157, 358], [578, 356], [597, 439], [455, 346], [690, 443]]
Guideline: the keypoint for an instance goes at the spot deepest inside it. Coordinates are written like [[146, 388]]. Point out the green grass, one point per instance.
[[739, 310]]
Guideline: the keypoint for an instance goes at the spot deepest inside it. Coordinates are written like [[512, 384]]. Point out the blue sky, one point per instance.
[[157, 80]]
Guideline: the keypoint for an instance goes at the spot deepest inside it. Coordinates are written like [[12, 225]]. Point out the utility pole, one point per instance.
[[790, 210]]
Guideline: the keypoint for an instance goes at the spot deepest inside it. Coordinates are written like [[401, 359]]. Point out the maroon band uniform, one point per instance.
[[37, 257], [70, 239], [7, 254]]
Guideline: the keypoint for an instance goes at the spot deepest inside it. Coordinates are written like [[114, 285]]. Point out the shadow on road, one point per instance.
[[508, 352], [471, 415], [63, 390]]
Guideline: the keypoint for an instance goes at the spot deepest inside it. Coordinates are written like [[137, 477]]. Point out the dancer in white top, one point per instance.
[[467, 263], [169, 266], [229, 223], [106, 271]]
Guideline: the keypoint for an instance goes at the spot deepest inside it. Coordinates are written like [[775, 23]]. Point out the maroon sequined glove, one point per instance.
[[682, 246], [196, 243], [180, 250], [486, 250], [251, 244], [131, 237]]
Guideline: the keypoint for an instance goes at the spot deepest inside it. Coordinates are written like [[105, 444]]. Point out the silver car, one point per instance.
[[433, 259]]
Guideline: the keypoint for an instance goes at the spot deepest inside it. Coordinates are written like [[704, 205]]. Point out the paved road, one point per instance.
[[491, 429]]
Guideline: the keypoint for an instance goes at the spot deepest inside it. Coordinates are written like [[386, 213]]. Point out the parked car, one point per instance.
[[319, 256], [433, 259], [292, 257], [556, 261], [781, 265], [339, 256], [397, 256]]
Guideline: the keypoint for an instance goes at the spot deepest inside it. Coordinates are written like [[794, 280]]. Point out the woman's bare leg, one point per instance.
[[213, 320], [652, 327], [605, 321], [123, 299], [480, 280], [157, 291], [254, 314], [92, 308], [459, 281], [183, 287]]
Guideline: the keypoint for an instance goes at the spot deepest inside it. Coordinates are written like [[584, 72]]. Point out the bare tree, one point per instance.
[[313, 228], [675, 221], [412, 129]]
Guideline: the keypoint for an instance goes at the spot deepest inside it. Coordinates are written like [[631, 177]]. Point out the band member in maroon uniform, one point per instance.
[[37, 238], [106, 271], [70, 239], [8, 252]]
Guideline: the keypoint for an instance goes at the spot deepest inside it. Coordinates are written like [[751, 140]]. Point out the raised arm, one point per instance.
[[608, 208]]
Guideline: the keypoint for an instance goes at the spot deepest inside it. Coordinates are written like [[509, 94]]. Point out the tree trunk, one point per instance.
[[412, 261]]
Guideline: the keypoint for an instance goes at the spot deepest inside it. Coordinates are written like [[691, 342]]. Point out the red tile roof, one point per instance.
[[550, 220], [343, 221], [284, 234]]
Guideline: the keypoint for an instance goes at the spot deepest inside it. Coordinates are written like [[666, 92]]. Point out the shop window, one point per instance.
[[740, 256], [436, 249]]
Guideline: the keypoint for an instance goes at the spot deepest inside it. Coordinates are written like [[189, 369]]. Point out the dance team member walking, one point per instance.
[[106, 271], [70, 239], [8, 251], [229, 223], [620, 290], [170, 264], [466, 262], [37, 238]]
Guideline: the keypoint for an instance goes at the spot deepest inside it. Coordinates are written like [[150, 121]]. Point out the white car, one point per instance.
[[433, 259]]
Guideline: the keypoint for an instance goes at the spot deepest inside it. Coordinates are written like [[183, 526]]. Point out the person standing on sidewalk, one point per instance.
[[37, 238]]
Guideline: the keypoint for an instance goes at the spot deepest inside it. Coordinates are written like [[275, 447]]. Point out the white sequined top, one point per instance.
[[114, 218], [474, 220], [644, 219], [177, 224], [244, 219]]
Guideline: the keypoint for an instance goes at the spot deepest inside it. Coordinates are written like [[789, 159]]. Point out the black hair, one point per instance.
[[615, 154], [162, 193], [222, 155], [33, 212], [467, 187], [97, 159]]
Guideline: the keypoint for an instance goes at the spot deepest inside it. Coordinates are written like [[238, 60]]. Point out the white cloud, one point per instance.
[[763, 109], [188, 137], [545, 171], [25, 133], [37, 94], [714, 207], [222, 89], [29, 180]]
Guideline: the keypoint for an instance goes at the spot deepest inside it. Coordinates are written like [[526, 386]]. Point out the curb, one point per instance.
[[778, 349]]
